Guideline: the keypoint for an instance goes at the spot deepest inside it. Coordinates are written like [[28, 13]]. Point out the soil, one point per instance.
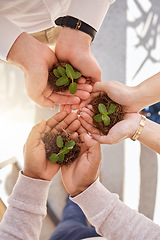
[[52, 78], [49, 140], [117, 116]]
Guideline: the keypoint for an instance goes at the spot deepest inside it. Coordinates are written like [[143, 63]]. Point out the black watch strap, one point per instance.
[[75, 23]]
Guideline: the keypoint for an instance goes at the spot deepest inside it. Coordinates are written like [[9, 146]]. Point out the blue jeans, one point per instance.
[[73, 225]]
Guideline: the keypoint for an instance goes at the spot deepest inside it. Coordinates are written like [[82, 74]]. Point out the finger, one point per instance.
[[89, 128], [75, 107], [81, 130], [53, 121], [84, 87], [63, 99], [86, 102], [44, 102], [61, 107], [94, 150], [35, 135], [63, 125], [87, 111], [90, 107], [74, 126], [99, 86], [74, 136], [68, 108], [82, 80]]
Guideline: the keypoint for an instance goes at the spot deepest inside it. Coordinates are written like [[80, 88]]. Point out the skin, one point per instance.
[[35, 163], [76, 50], [38, 59], [133, 99], [76, 178]]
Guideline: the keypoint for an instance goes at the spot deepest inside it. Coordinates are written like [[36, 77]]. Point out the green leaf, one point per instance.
[[62, 71], [56, 73], [70, 71], [105, 114], [54, 158], [77, 75], [65, 150], [70, 144], [102, 108], [98, 118], [73, 88], [62, 81], [67, 83], [59, 141], [112, 108], [106, 120], [61, 157]]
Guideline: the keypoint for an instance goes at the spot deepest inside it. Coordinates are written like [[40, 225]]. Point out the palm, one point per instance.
[[84, 170]]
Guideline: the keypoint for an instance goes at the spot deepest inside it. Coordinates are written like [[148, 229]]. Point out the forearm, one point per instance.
[[150, 135], [112, 218], [148, 92], [27, 208]]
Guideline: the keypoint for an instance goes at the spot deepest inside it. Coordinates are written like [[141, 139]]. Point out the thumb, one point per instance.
[[88, 140], [98, 86]]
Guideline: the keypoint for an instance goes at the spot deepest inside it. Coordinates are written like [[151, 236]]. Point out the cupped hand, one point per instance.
[[85, 169], [35, 59], [126, 96], [73, 46], [35, 163], [120, 131]]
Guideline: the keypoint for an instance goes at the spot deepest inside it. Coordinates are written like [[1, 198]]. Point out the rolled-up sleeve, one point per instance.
[[9, 32]]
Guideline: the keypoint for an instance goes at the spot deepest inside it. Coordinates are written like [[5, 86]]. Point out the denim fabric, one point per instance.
[[153, 112], [73, 225]]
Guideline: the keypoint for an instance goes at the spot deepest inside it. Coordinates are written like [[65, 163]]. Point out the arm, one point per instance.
[[133, 98], [27, 204], [112, 218], [26, 210], [74, 45]]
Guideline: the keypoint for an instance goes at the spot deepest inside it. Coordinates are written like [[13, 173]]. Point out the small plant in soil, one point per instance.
[[106, 113], [63, 76], [64, 149], [60, 148], [103, 115]]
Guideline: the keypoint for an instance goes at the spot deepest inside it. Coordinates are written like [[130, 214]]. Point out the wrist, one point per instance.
[[29, 174], [71, 37], [28, 52]]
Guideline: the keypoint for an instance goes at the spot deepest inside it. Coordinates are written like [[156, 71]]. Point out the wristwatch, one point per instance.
[[75, 23]]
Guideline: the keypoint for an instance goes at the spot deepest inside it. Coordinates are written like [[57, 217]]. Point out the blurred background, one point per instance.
[[128, 50]]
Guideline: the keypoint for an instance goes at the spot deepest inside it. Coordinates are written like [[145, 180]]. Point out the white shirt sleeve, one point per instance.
[[9, 33], [91, 12]]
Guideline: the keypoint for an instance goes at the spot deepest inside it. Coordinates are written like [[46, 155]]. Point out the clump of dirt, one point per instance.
[[51, 147], [52, 78], [116, 117]]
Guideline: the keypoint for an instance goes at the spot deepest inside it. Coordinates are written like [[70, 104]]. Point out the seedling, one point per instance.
[[66, 77], [103, 115], [64, 149]]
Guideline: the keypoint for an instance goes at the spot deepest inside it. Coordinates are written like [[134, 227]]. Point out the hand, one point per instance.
[[35, 163], [120, 131], [85, 169], [35, 59], [129, 97], [74, 47]]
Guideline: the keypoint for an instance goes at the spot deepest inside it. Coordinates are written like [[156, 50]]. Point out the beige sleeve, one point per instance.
[[26, 210], [112, 218]]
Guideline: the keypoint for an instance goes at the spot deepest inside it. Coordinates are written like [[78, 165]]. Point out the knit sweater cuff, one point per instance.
[[30, 193]]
